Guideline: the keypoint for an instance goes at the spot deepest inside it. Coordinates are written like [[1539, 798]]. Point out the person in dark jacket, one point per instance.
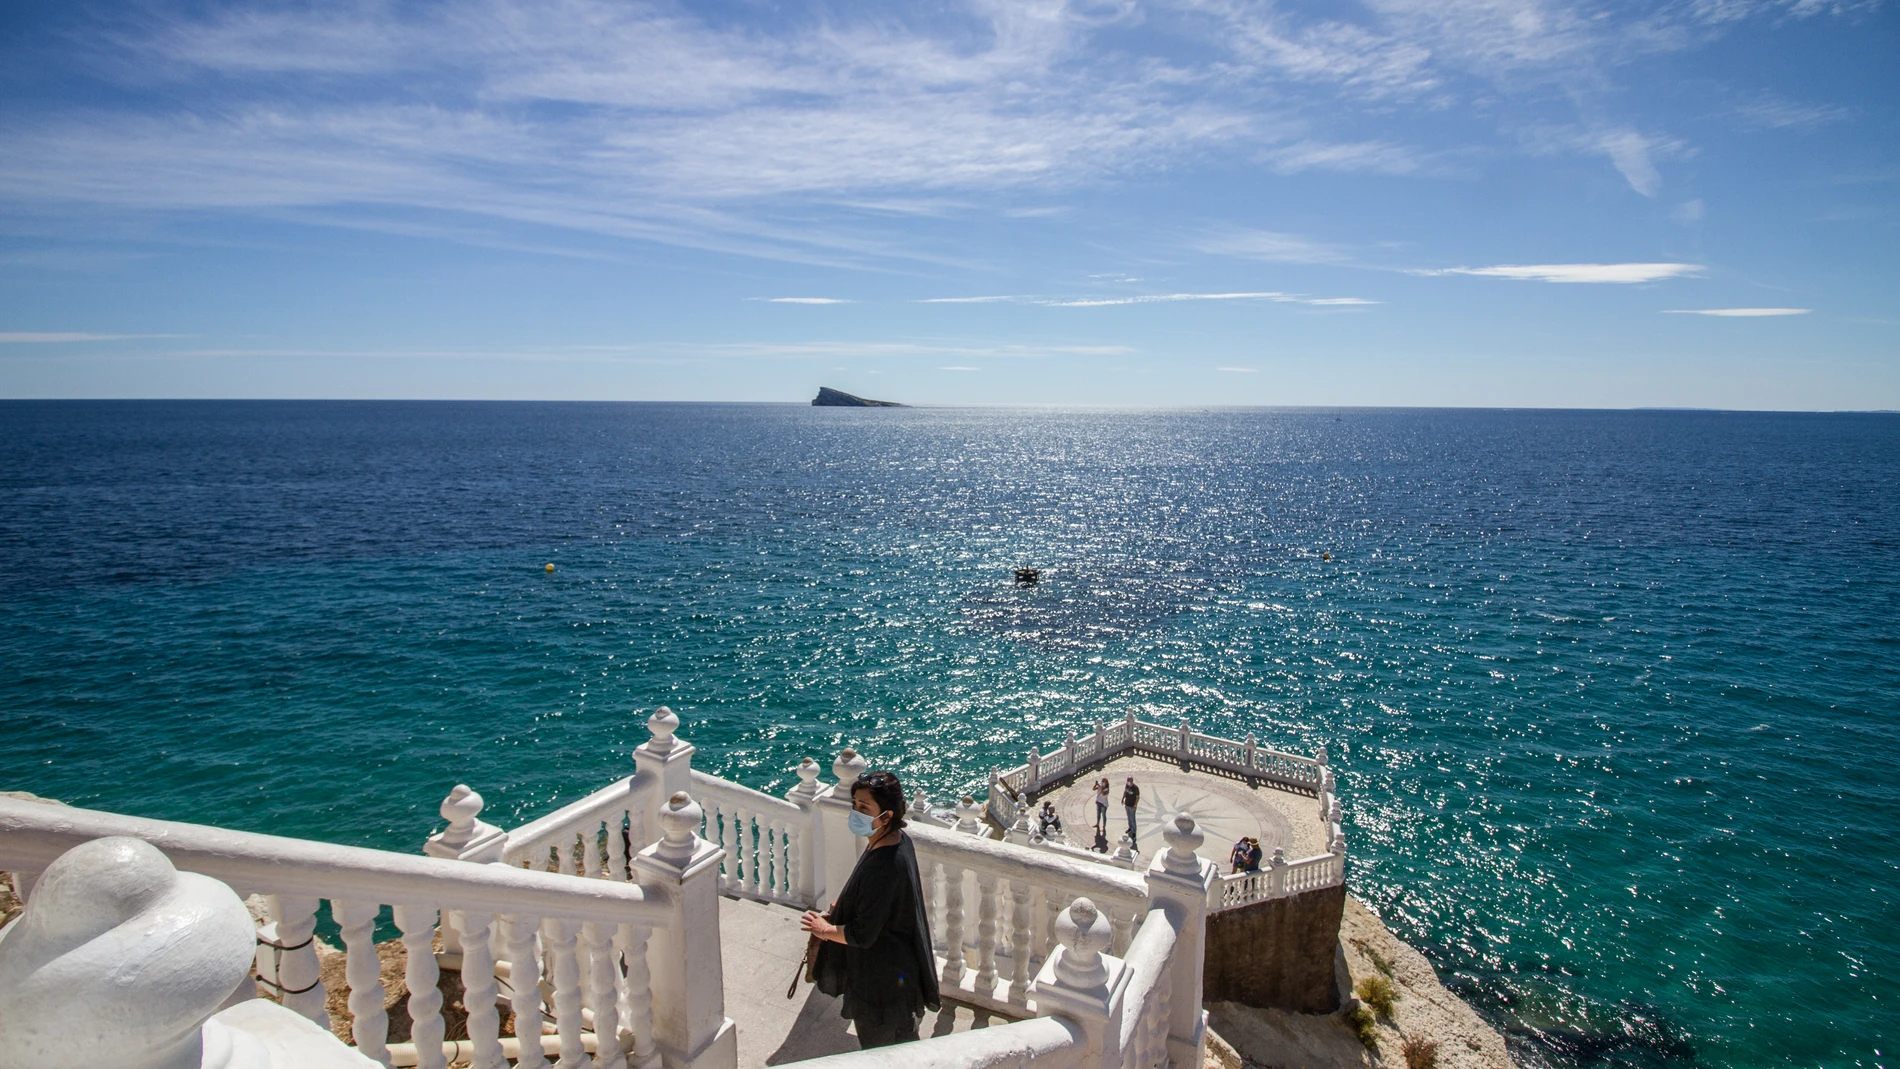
[[890, 975], [1131, 797]]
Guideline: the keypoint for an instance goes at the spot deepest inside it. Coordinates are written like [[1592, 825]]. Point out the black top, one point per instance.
[[890, 969], [1131, 795]]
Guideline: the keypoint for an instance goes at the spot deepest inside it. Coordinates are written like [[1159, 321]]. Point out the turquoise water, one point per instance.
[[1612, 695]]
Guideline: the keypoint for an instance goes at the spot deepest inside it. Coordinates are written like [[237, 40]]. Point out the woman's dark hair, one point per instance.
[[885, 791]]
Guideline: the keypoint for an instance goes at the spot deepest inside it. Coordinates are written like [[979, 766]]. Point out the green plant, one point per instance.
[[1379, 993], [1363, 1025], [1420, 1053]]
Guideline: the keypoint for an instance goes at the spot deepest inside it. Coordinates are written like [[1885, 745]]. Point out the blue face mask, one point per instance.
[[863, 825]]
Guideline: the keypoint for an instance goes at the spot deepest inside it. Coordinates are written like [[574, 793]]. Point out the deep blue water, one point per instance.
[[1612, 694]]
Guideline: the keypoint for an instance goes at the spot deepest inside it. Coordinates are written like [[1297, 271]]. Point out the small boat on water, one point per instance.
[[1028, 576]]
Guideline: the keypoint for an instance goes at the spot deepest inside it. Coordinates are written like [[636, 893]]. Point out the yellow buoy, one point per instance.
[[550, 567], [1322, 556]]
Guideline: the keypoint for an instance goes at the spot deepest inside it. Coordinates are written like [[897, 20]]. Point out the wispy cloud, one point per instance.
[[54, 337], [803, 300], [1111, 301], [1739, 313], [1271, 246], [1604, 273]]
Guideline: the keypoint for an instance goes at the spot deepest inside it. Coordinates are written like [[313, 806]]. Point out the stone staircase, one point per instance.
[[761, 950]]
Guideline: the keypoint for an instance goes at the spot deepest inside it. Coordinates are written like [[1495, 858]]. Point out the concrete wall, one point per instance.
[[1277, 954]]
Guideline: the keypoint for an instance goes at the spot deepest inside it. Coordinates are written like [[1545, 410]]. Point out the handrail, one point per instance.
[[543, 831], [1149, 955], [705, 785], [1105, 884], [33, 835], [1044, 1042]]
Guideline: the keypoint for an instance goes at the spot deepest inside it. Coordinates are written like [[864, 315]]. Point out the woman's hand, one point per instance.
[[816, 924]]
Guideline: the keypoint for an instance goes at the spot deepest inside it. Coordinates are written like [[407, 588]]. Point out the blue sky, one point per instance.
[[1443, 202]]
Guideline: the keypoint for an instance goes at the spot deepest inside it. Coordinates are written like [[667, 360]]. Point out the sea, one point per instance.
[[1612, 696]]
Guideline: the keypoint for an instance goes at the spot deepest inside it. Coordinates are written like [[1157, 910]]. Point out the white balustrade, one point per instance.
[[758, 833], [584, 927]]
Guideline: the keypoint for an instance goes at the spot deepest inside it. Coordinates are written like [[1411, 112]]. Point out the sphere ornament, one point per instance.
[[1084, 933], [1183, 838], [663, 724], [679, 823]]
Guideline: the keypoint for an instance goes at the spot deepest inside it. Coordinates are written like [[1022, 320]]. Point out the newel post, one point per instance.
[[1034, 779], [467, 838], [690, 1025], [1181, 882], [969, 816], [662, 767], [1079, 985], [809, 853], [840, 847], [1186, 730]]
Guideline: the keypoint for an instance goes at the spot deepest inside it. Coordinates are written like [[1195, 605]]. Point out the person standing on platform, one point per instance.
[[1101, 806], [1131, 797], [889, 975]]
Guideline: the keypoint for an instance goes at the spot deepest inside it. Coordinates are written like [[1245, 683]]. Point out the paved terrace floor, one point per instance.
[[1225, 809]]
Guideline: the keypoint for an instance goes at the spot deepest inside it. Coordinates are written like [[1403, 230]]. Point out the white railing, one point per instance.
[[1011, 792], [583, 929], [992, 908], [765, 838]]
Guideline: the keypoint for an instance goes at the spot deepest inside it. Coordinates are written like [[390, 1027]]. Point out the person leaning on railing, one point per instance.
[[887, 976]]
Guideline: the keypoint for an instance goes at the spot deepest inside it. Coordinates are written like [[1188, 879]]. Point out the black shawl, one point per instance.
[[887, 966]]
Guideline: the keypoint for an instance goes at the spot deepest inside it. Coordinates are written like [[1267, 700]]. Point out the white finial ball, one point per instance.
[[1084, 933], [846, 768], [679, 818], [1183, 838], [461, 807]]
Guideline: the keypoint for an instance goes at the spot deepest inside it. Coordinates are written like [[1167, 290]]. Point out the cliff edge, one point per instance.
[[829, 397], [1423, 1013]]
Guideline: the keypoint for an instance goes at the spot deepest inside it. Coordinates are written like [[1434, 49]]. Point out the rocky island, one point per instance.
[[828, 397]]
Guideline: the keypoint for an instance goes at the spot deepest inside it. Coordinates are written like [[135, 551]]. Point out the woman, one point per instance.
[[1101, 805], [890, 974]]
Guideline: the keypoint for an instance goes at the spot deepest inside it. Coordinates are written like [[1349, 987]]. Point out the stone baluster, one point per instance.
[[985, 934], [480, 992], [365, 976], [1183, 883], [1124, 854], [719, 830], [524, 979], [420, 976], [1068, 754], [1080, 984], [1253, 752], [1128, 726], [592, 864], [784, 881], [1034, 778], [602, 996], [637, 995], [753, 835], [1122, 924], [969, 816], [1186, 734], [288, 957], [1019, 941], [1276, 873], [806, 852], [617, 846], [952, 925], [690, 1024], [565, 975]]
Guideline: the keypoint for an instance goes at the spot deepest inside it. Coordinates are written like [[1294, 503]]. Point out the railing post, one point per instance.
[[1276, 873], [1182, 746], [1180, 881], [1068, 754], [663, 765], [1253, 752], [807, 854], [839, 846], [467, 838], [1019, 831], [1128, 720], [1034, 779], [969, 816], [1101, 741], [688, 983], [1080, 985]]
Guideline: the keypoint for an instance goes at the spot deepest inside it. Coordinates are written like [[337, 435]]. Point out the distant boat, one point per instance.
[[828, 397], [1028, 576]]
